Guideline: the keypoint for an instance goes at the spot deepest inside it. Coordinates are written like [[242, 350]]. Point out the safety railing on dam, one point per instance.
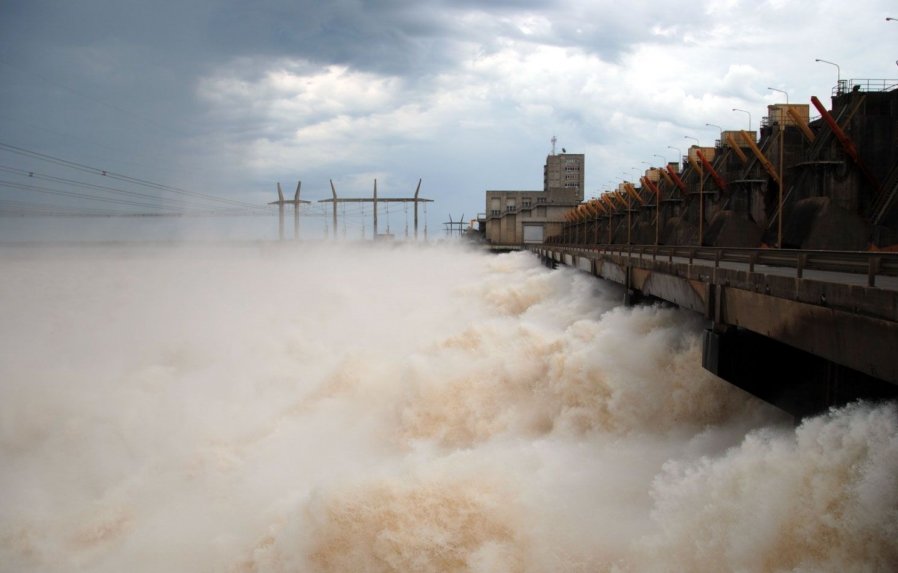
[[868, 264]]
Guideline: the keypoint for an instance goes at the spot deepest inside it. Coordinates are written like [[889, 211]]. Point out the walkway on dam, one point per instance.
[[857, 277]]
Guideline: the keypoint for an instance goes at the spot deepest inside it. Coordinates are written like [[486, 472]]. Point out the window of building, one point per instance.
[[540, 199]]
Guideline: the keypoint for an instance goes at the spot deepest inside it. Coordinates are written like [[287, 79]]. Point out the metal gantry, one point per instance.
[[374, 200], [282, 202], [452, 227]]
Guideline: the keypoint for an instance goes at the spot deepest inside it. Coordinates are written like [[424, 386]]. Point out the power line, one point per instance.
[[11, 206], [158, 211], [35, 188], [34, 175], [121, 177], [81, 140]]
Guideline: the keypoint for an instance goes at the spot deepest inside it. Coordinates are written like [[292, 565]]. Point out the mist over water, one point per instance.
[[278, 408]]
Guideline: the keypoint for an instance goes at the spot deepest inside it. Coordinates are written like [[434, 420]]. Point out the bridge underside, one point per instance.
[[798, 382], [799, 344]]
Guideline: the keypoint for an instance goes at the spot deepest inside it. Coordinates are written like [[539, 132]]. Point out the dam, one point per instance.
[[785, 240]]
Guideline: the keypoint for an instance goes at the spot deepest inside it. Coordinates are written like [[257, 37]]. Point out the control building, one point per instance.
[[518, 217]]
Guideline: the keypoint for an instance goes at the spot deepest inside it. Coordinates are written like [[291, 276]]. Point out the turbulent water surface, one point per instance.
[[265, 408]]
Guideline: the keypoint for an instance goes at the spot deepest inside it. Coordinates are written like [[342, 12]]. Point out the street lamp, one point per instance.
[[838, 69], [658, 214], [679, 153], [779, 217], [717, 126], [749, 116], [782, 92], [701, 194]]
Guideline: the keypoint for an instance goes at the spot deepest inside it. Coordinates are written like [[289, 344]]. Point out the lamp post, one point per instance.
[[749, 116], [630, 209], [701, 195], [679, 153], [695, 139], [627, 207], [779, 217], [658, 203], [782, 92], [838, 74], [719, 129]]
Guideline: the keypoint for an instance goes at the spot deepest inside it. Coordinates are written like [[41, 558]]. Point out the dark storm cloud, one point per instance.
[[407, 38], [387, 36], [397, 37], [91, 64], [242, 91]]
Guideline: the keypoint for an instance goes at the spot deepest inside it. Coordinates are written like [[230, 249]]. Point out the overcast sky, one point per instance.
[[227, 97]]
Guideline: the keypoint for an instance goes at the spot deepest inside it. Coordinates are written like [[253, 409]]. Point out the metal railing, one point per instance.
[[875, 85], [871, 264]]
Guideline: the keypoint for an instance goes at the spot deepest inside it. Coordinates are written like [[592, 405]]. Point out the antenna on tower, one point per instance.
[[554, 139]]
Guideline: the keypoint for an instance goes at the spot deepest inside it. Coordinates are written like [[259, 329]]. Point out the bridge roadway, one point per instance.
[[804, 330]]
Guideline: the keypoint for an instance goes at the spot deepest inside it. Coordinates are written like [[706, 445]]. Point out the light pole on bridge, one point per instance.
[[782, 130]]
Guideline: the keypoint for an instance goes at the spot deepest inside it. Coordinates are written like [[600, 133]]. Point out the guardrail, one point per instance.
[[871, 264]]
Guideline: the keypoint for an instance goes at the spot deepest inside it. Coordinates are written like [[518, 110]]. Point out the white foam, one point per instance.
[[398, 409]]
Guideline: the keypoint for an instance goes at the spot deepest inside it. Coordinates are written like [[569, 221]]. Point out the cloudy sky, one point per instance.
[[227, 97]]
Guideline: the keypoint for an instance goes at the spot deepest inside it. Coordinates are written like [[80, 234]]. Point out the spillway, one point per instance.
[[388, 408]]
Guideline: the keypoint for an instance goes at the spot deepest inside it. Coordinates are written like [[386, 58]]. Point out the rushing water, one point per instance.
[[297, 408]]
